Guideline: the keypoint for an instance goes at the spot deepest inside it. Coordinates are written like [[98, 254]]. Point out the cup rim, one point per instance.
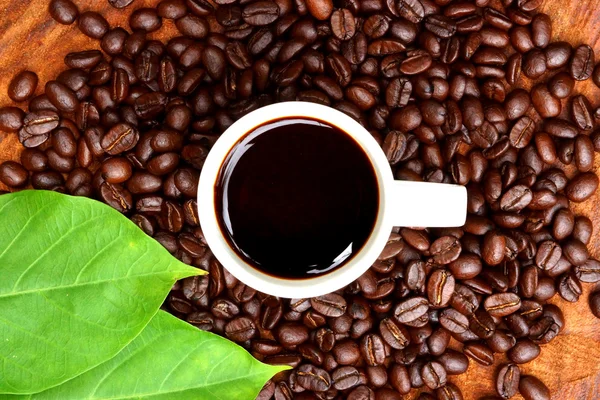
[[281, 287]]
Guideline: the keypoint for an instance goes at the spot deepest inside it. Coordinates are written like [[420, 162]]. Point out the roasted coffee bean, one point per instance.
[[454, 363], [482, 324], [11, 119], [331, 305], [445, 249], [524, 351], [346, 352], [313, 378], [395, 335], [145, 19], [240, 329], [116, 196], [448, 392], [534, 64], [13, 174], [501, 341], [545, 104], [61, 96], [22, 86], [63, 11], [120, 138], [92, 24], [440, 288], [507, 381], [464, 300], [582, 63], [532, 388], [411, 309], [433, 375], [454, 321], [589, 271], [34, 160], [581, 187], [502, 304], [120, 3], [480, 353], [260, 13], [581, 112], [372, 349], [438, 341]]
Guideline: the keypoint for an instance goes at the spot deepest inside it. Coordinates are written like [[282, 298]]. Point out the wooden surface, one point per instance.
[[570, 365]]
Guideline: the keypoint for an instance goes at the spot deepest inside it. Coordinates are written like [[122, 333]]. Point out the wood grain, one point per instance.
[[570, 365]]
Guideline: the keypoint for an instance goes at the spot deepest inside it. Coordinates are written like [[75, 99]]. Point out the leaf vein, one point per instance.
[[41, 256]]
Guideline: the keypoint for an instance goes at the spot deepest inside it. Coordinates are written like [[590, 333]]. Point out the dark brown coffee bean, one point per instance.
[[120, 3], [260, 13], [313, 378], [448, 392], [594, 302], [63, 11], [345, 378], [113, 42], [438, 341], [482, 324], [541, 28], [581, 187], [343, 25], [22, 86], [121, 137], [34, 160], [240, 329], [171, 9], [545, 104], [517, 103], [479, 352], [93, 25], [523, 352], [395, 335], [11, 119], [582, 63], [507, 381], [433, 375], [501, 341], [502, 304], [116, 196], [61, 96], [411, 10], [521, 39], [454, 321], [12, 174], [534, 64], [558, 54], [581, 112], [35, 124], [346, 352], [411, 309], [440, 288], [372, 349], [532, 388], [445, 249]]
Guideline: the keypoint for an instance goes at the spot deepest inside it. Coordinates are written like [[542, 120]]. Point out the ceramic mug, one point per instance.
[[401, 203]]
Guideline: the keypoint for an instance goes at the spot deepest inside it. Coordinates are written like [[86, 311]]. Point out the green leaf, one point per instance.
[[78, 282], [169, 360]]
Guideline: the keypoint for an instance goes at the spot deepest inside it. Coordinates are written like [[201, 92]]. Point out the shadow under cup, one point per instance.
[[296, 198]]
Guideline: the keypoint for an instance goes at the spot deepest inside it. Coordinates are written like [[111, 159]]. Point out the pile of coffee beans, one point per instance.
[[437, 82]]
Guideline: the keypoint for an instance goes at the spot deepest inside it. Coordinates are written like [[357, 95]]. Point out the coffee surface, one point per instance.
[[297, 198]]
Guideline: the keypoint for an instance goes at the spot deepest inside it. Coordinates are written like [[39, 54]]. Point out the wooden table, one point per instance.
[[570, 365]]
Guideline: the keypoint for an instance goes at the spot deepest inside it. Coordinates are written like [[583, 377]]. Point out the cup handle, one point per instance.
[[426, 204]]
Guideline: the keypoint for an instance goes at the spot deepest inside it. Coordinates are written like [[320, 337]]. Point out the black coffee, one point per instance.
[[297, 197]]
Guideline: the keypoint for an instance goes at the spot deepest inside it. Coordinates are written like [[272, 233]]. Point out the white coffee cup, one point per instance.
[[401, 203]]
